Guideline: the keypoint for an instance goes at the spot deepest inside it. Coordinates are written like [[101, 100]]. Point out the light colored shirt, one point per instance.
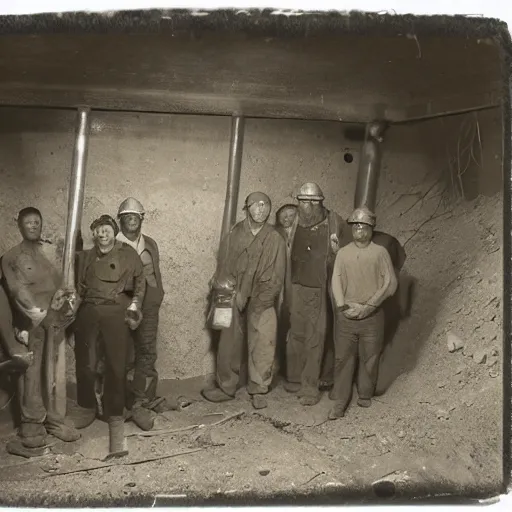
[[363, 275], [139, 245], [147, 261]]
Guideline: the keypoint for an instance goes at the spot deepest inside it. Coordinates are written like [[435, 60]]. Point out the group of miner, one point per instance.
[[308, 300]]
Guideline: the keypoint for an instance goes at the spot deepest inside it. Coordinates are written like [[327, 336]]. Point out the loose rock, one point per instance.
[[459, 369], [480, 357], [454, 342], [492, 361]]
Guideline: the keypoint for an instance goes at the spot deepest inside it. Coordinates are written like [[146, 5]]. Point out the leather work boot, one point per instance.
[[117, 441], [364, 402], [81, 417], [32, 435], [169, 404], [310, 400], [259, 401], [291, 387], [142, 417], [338, 411], [216, 395], [59, 428], [16, 447]]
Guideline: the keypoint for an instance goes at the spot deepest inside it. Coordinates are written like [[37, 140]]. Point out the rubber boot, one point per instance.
[[117, 441]]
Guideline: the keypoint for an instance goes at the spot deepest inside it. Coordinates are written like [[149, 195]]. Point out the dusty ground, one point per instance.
[[436, 429]]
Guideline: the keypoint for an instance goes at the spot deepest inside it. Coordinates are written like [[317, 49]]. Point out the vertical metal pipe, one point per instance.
[[234, 168], [57, 388], [369, 167], [76, 195]]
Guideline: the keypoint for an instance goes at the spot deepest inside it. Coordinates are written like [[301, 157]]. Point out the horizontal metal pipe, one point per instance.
[[369, 167], [76, 195]]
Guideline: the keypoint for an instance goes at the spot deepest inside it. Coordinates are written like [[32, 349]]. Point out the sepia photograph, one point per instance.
[[253, 256]]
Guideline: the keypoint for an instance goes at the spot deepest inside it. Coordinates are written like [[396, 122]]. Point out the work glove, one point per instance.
[[21, 336], [335, 243], [133, 316]]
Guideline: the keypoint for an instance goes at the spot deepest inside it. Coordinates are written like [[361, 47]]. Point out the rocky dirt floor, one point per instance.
[[436, 429]]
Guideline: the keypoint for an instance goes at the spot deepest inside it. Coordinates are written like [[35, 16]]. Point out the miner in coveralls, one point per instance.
[[315, 237], [285, 217], [112, 285], [32, 282], [256, 262], [145, 376], [363, 278]]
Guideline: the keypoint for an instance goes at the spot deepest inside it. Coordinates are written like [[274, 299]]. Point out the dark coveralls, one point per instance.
[[283, 322], [360, 275], [257, 264], [311, 264], [145, 377], [104, 284], [8, 345], [31, 279]]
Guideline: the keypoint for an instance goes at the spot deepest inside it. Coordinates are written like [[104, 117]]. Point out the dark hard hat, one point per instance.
[[105, 220], [256, 197]]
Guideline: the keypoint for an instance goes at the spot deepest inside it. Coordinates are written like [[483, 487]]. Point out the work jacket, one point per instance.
[[256, 263], [114, 274]]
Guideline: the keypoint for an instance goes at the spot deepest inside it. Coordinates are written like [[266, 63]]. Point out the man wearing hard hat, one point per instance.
[[315, 237], [363, 278], [255, 263], [145, 377]]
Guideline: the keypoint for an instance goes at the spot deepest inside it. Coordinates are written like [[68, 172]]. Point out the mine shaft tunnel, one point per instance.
[[162, 116]]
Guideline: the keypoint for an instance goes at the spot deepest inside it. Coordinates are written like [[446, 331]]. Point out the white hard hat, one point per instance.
[[131, 205], [310, 191]]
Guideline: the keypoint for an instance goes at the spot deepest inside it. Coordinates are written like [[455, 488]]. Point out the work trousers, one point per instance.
[[306, 339], [357, 343], [30, 384], [7, 339], [145, 377], [102, 333], [259, 324]]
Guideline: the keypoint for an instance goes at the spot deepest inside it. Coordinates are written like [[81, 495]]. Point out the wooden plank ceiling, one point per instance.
[[348, 78]]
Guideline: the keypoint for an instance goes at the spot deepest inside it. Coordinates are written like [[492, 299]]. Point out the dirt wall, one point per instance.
[[177, 166]]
